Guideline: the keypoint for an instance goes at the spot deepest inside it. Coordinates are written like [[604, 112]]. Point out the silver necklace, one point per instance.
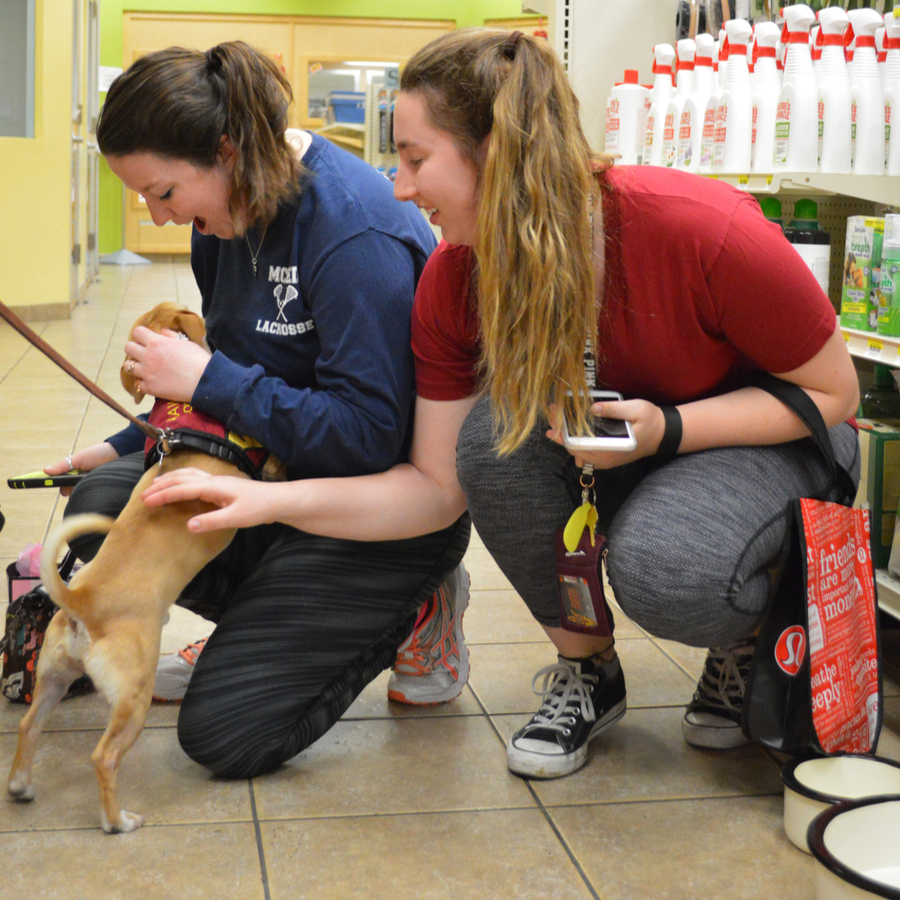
[[254, 256]]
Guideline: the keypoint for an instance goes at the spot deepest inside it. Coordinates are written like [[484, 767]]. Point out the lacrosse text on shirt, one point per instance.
[[284, 292]]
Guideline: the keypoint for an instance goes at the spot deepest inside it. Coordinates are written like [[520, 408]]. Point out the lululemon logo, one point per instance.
[[790, 650]]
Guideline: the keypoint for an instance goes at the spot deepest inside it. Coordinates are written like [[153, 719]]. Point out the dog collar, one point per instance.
[[181, 427]]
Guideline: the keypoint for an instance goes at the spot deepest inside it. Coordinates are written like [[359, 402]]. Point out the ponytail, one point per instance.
[[506, 99], [179, 104]]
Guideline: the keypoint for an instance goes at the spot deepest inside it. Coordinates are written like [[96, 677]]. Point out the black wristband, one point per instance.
[[671, 439]]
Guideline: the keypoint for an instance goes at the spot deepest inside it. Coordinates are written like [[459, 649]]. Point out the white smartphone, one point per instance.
[[609, 434]]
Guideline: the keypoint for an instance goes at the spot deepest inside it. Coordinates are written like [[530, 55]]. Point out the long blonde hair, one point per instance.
[[535, 265]]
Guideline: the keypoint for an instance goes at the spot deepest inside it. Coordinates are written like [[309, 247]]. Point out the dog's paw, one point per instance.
[[127, 822], [21, 789]]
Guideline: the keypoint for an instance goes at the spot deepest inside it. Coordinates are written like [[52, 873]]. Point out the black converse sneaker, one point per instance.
[[713, 717], [581, 698]]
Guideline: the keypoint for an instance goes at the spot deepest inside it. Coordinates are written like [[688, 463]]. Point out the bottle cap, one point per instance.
[[771, 207], [806, 210]]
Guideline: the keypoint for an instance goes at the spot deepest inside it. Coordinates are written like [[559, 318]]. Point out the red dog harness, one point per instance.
[[183, 427]]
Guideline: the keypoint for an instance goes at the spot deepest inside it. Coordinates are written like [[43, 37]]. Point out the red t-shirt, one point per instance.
[[699, 289]]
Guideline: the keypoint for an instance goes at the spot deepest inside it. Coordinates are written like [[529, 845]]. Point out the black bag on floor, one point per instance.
[[27, 618], [815, 682]]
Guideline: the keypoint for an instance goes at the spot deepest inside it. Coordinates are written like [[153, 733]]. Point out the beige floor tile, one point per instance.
[[367, 767], [476, 856], [500, 616], [644, 757], [502, 675], [732, 848], [88, 711], [889, 742], [209, 861], [483, 571], [156, 779]]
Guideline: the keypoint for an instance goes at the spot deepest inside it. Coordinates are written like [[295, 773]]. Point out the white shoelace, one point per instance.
[[564, 694], [730, 677]]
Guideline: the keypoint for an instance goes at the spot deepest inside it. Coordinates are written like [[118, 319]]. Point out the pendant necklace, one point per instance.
[[254, 256]]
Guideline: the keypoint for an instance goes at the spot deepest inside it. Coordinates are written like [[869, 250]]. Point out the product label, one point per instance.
[[887, 129], [782, 133], [889, 293], [821, 112], [853, 113], [842, 626], [648, 139], [685, 151], [753, 136], [860, 279], [668, 154], [612, 127], [719, 134], [707, 142]]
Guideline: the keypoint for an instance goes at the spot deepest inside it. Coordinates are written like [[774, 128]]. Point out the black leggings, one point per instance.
[[304, 623]]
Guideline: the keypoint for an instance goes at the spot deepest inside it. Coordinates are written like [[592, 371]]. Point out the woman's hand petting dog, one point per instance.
[[238, 506], [163, 365]]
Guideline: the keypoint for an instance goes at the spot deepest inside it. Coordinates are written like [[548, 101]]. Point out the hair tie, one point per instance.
[[510, 45]]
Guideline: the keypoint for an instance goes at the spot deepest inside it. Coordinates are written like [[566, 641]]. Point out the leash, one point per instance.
[[32, 337]]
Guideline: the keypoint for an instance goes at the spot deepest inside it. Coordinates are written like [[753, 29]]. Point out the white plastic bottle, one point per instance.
[[626, 118], [708, 140], [796, 118], [815, 48], [765, 96], [690, 132], [734, 114], [866, 96], [684, 85], [892, 94], [660, 95], [880, 53], [833, 94]]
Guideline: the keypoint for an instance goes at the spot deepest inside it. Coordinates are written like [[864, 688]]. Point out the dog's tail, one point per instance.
[[89, 523]]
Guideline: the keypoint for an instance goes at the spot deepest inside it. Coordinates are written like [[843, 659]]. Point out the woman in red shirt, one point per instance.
[[682, 288]]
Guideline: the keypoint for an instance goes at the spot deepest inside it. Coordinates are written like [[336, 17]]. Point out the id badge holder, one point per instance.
[[579, 555]]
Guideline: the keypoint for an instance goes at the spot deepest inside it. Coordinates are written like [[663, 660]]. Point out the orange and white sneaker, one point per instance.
[[432, 664], [174, 670]]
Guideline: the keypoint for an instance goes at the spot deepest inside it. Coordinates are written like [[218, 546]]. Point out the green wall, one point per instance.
[[463, 12]]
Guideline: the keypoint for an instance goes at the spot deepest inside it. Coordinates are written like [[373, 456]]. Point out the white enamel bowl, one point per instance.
[[856, 845], [812, 785]]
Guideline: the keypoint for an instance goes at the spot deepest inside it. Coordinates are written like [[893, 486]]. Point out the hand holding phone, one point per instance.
[[608, 434]]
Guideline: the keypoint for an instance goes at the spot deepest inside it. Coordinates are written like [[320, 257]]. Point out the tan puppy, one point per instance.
[[112, 613]]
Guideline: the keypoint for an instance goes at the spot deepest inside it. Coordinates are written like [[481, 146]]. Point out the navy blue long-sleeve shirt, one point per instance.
[[312, 357]]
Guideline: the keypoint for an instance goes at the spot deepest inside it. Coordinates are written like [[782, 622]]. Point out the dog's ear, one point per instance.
[[192, 325], [129, 382]]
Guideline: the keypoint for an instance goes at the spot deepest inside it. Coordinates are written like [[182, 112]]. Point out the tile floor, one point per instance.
[[392, 802]]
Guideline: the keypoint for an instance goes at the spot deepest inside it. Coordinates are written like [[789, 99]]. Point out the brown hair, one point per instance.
[[179, 103], [533, 246]]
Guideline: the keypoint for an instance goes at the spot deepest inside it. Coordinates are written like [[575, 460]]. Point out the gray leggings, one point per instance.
[[690, 541]]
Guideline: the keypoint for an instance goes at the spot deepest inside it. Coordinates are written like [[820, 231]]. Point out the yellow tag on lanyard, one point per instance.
[[583, 517]]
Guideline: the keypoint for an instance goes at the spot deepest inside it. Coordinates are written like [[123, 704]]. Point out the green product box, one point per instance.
[[862, 264], [889, 280], [879, 483]]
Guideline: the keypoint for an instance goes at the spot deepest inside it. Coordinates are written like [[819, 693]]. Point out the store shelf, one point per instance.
[[874, 188], [872, 346], [888, 592], [345, 134]]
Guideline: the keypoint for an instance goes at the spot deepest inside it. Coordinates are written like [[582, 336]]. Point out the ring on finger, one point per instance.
[[130, 367], [69, 463]]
